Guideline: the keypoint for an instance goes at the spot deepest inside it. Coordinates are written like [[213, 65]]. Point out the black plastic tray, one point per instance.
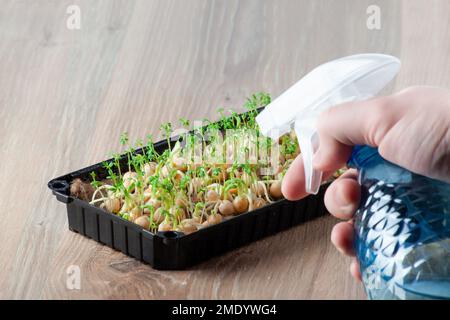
[[174, 250]]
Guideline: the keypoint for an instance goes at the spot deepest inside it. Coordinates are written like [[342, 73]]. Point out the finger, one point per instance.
[[343, 195], [293, 186], [342, 237], [354, 270], [331, 154], [343, 126]]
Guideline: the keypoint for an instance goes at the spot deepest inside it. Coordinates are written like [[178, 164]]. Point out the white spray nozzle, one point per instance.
[[356, 77]]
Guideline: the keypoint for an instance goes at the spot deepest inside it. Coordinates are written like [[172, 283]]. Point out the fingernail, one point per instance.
[[341, 251], [344, 204]]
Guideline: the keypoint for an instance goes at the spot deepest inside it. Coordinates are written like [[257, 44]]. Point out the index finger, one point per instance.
[[293, 187]]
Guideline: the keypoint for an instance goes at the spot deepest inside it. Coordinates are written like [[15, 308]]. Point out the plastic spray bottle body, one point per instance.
[[402, 230]]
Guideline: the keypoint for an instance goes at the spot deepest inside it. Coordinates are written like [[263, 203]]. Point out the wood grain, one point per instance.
[[66, 95]]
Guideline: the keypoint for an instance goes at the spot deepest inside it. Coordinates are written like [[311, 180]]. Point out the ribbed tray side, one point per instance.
[[175, 251]]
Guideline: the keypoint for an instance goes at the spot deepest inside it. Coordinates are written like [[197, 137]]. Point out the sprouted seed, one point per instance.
[[183, 190]]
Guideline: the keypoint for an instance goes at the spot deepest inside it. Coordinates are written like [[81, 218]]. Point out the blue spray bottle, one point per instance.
[[402, 226]]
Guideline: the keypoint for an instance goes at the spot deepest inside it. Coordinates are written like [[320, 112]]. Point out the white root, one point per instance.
[[99, 200], [99, 190], [250, 202], [266, 194], [216, 206]]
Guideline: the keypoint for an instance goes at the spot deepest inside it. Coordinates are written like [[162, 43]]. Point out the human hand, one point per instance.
[[410, 128]]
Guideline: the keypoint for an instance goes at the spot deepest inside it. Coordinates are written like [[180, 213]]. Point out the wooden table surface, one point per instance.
[[66, 95]]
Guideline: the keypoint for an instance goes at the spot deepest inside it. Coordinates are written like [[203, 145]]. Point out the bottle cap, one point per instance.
[[355, 77]]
